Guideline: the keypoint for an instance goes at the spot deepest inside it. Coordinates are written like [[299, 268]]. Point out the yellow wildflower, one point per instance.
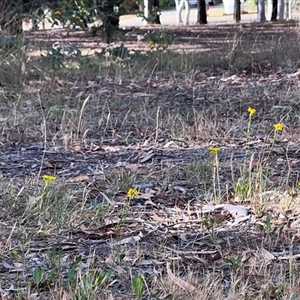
[[251, 111], [132, 192], [48, 179], [214, 150], [57, 12], [278, 127]]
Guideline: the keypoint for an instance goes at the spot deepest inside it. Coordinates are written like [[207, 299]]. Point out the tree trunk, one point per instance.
[[280, 9], [146, 11], [187, 8], [179, 7], [154, 11], [180, 4], [237, 11], [201, 17], [290, 10], [274, 10], [261, 15]]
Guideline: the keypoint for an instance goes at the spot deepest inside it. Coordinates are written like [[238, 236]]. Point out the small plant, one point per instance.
[[87, 286], [248, 182], [216, 176], [48, 179], [138, 285], [84, 287], [242, 188], [267, 227], [120, 52], [38, 275], [46, 193], [159, 39], [120, 258], [238, 261], [132, 192], [55, 57], [54, 256], [58, 55], [209, 222], [41, 278]]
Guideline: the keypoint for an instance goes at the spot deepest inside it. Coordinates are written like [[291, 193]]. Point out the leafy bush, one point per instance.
[[120, 52], [159, 39], [58, 55]]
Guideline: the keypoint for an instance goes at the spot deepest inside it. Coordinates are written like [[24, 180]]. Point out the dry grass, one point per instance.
[[102, 124]]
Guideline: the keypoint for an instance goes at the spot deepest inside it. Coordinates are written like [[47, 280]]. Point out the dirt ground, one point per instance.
[[152, 131]]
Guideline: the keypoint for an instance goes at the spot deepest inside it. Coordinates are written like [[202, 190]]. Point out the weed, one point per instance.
[[216, 175], [120, 52], [138, 285], [238, 261]]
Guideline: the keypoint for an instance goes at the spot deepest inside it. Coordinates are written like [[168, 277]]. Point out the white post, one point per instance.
[[187, 12], [270, 8], [280, 9], [179, 7], [242, 6], [290, 10], [146, 11], [286, 9]]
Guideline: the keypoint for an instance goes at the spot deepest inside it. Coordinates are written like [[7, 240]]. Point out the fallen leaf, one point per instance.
[[148, 156], [158, 219], [108, 200], [79, 178], [131, 239], [112, 265], [179, 282]]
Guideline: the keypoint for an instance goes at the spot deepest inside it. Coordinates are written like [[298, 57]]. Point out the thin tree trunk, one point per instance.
[[261, 15], [237, 11], [146, 11], [274, 10], [179, 7], [201, 17], [280, 9]]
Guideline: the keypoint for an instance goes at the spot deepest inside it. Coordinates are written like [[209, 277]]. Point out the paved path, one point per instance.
[[215, 15]]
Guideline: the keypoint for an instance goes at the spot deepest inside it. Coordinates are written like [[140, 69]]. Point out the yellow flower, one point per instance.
[[278, 127], [299, 183], [251, 111], [132, 192], [214, 150], [48, 179], [57, 12]]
